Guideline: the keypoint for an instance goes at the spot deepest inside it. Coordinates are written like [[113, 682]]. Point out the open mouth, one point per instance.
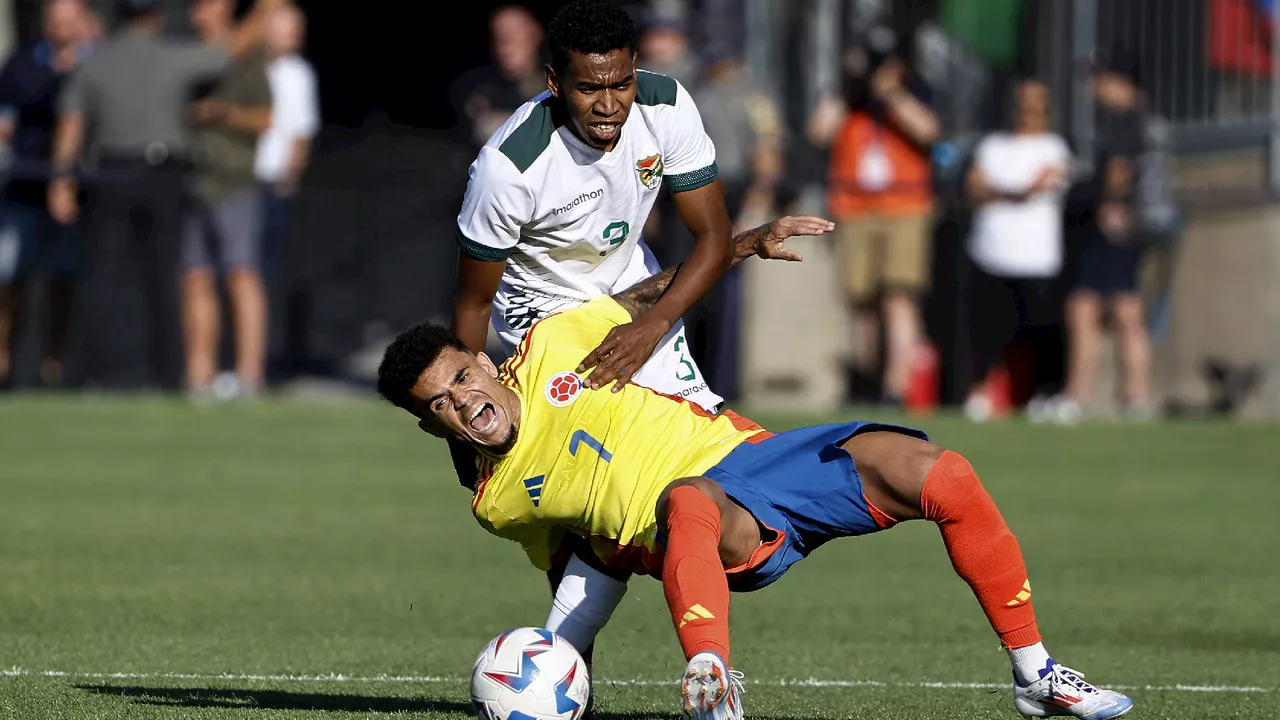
[[605, 131], [483, 418]]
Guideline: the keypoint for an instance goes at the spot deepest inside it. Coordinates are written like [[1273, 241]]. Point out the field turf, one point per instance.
[[319, 561]]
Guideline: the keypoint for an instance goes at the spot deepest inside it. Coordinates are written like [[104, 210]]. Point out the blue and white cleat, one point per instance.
[[1063, 691], [711, 690]]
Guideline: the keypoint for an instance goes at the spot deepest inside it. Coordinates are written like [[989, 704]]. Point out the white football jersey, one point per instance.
[[568, 218]]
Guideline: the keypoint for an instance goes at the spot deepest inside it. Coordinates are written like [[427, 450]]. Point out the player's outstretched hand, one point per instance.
[[770, 244], [624, 350]]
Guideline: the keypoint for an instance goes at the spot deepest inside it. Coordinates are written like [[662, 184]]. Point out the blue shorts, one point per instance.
[[802, 485]]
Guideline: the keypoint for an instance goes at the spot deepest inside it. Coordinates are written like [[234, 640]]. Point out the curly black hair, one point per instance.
[[407, 357], [589, 26]]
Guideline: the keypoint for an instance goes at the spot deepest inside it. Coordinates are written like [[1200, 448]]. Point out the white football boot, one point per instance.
[[1063, 691], [711, 690]]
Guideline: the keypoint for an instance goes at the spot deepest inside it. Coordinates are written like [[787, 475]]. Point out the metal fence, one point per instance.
[[1208, 67]]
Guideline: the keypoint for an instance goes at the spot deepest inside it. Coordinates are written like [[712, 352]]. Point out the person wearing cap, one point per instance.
[[1113, 247], [127, 108]]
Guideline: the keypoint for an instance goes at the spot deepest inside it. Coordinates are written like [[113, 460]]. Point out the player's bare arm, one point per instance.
[[477, 284], [767, 241], [628, 347]]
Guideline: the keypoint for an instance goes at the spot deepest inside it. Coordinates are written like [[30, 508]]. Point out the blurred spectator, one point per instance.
[[91, 28], [881, 197], [484, 98], [224, 233], [748, 137], [283, 151], [1016, 184], [31, 243], [1109, 262], [664, 49], [129, 99]]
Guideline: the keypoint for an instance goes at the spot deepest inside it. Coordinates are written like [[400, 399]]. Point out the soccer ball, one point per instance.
[[529, 674]]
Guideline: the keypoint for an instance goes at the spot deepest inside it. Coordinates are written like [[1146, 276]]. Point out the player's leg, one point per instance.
[[705, 533], [904, 478]]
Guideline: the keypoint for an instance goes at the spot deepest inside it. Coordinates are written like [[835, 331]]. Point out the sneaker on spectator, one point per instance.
[[1136, 412], [978, 407], [1067, 411], [1040, 409], [226, 386]]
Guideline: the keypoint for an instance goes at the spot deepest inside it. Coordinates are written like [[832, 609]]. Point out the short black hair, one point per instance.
[[590, 26], [407, 357]]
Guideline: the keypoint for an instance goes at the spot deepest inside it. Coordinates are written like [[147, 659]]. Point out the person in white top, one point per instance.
[[558, 198], [283, 151], [1017, 183]]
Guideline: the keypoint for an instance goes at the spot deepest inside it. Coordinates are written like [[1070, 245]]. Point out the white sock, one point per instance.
[[1028, 662]]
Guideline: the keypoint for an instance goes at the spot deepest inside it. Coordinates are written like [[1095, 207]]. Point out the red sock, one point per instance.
[[983, 550], [693, 577]]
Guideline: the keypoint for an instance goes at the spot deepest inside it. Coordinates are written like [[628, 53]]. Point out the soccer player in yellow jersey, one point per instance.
[[628, 481]]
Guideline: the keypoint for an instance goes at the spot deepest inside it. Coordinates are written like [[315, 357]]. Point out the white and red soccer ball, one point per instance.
[[529, 674]]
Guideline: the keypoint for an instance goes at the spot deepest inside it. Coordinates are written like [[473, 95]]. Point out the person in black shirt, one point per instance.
[[1113, 249], [29, 239], [484, 97]]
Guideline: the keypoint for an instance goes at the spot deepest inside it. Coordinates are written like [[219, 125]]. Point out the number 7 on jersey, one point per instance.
[[581, 437]]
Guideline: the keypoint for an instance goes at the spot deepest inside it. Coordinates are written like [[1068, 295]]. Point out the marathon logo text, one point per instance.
[[594, 194], [692, 390]]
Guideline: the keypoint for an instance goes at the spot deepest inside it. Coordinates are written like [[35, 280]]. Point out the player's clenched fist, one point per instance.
[[624, 350]]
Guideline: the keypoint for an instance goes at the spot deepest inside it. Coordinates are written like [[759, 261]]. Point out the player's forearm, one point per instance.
[[471, 323], [639, 298]]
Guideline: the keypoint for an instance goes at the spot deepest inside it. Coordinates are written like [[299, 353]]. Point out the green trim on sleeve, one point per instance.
[[685, 182], [473, 249]]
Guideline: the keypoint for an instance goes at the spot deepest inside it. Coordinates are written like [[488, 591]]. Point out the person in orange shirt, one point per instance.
[[879, 192]]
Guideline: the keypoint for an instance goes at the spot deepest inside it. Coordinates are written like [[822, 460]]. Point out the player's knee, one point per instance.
[[706, 486], [950, 484]]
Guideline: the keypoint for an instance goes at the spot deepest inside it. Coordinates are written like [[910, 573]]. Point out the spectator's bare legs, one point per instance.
[[1135, 347], [1084, 341], [200, 325], [249, 305], [866, 328], [902, 328]]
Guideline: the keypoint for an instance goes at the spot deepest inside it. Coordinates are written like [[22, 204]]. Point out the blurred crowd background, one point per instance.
[[264, 192]]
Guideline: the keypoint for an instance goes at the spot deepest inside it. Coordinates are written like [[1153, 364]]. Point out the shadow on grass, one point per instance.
[[325, 702], [279, 700]]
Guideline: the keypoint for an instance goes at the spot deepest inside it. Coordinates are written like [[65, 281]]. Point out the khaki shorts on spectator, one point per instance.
[[885, 253]]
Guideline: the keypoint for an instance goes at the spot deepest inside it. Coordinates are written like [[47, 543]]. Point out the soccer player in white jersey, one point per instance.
[[559, 195]]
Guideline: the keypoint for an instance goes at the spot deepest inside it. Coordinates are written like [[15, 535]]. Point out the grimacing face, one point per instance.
[[459, 396], [598, 90]]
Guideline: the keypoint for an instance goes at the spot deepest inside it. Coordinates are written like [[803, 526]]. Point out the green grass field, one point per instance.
[[315, 561]]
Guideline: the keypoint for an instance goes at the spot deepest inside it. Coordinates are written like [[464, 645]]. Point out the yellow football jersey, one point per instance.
[[592, 462]]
